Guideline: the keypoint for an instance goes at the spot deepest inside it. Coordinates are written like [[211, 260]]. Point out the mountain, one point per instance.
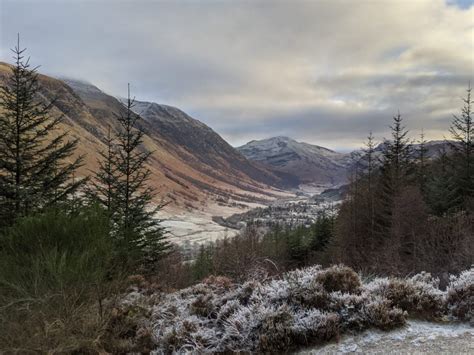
[[311, 164], [307, 163], [191, 165]]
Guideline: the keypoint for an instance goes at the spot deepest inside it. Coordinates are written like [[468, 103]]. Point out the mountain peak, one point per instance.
[[308, 162]]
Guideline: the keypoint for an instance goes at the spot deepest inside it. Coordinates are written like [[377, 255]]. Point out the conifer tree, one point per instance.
[[441, 186], [397, 163], [121, 185], [103, 187], [422, 162], [462, 132], [36, 163], [395, 173]]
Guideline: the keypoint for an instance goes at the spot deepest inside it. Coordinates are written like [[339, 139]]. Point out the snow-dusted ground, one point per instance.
[[417, 337], [198, 226]]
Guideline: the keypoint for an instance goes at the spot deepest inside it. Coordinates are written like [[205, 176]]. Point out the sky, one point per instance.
[[325, 71]]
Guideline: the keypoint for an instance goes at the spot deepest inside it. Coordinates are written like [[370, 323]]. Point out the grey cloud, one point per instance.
[[322, 71]]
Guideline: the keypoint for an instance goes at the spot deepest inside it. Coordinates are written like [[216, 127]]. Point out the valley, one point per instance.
[[209, 189]]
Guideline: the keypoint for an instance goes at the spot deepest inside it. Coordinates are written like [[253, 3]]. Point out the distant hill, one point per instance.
[[305, 163]]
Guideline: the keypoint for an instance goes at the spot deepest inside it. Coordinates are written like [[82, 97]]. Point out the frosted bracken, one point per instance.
[[300, 308]]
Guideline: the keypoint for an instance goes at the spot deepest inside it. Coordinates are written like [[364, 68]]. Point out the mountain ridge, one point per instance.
[[191, 164]]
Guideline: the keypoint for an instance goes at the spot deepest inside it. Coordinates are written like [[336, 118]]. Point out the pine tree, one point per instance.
[[121, 185], [34, 168], [397, 164], [441, 189], [396, 171], [370, 170], [103, 187], [422, 161], [462, 132]]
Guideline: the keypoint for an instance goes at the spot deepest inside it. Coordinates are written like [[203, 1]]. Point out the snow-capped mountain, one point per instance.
[[309, 163]]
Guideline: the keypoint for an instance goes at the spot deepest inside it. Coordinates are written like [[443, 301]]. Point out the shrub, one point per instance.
[[460, 296], [277, 315], [382, 315], [312, 295], [275, 333], [418, 296], [54, 269], [314, 327], [339, 278]]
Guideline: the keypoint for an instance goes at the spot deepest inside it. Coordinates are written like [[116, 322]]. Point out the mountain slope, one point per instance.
[[191, 165], [309, 163], [312, 164]]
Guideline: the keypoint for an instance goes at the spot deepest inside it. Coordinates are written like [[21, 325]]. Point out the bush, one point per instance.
[[275, 333], [280, 314], [460, 296], [53, 268], [339, 278], [382, 315], [418, 295]]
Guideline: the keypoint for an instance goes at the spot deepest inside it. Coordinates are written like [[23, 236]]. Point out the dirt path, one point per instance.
[[416, 338]]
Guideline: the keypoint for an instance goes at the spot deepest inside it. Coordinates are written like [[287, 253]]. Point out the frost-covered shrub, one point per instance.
[[460, 296], [417, 295], [202, 306], [303, 307], [339, 278], [350, 308], [275, 333], [381, 314], [314, 326], [312, 295]]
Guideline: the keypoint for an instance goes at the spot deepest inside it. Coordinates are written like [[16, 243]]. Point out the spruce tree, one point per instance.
[[422, 161], [36, 163], [397, 164], [462, 132], [442, 195], [121, 186], [395, 173], [103, 188], [370, 171]]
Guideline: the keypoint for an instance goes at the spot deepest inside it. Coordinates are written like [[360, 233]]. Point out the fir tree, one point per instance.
[[462, 132], [34, 168], [441, 186], [397, 163], [369, 158], [121, 185], [395, 173], [104, 184], [422, 162]]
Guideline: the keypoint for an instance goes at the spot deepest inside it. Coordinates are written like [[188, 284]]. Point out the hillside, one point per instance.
[[191, 165], [304, 163], [307, 163]]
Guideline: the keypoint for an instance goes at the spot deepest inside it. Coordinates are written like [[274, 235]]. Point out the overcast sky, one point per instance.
[[323, 71]]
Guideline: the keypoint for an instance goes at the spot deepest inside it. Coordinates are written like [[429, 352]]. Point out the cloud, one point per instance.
[[322, 71]]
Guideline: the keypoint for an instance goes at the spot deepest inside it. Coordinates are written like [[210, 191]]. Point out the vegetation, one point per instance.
[[69, 254], [64, 258], [299, 308], [35, 172], [411, 213], [120, 186]]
